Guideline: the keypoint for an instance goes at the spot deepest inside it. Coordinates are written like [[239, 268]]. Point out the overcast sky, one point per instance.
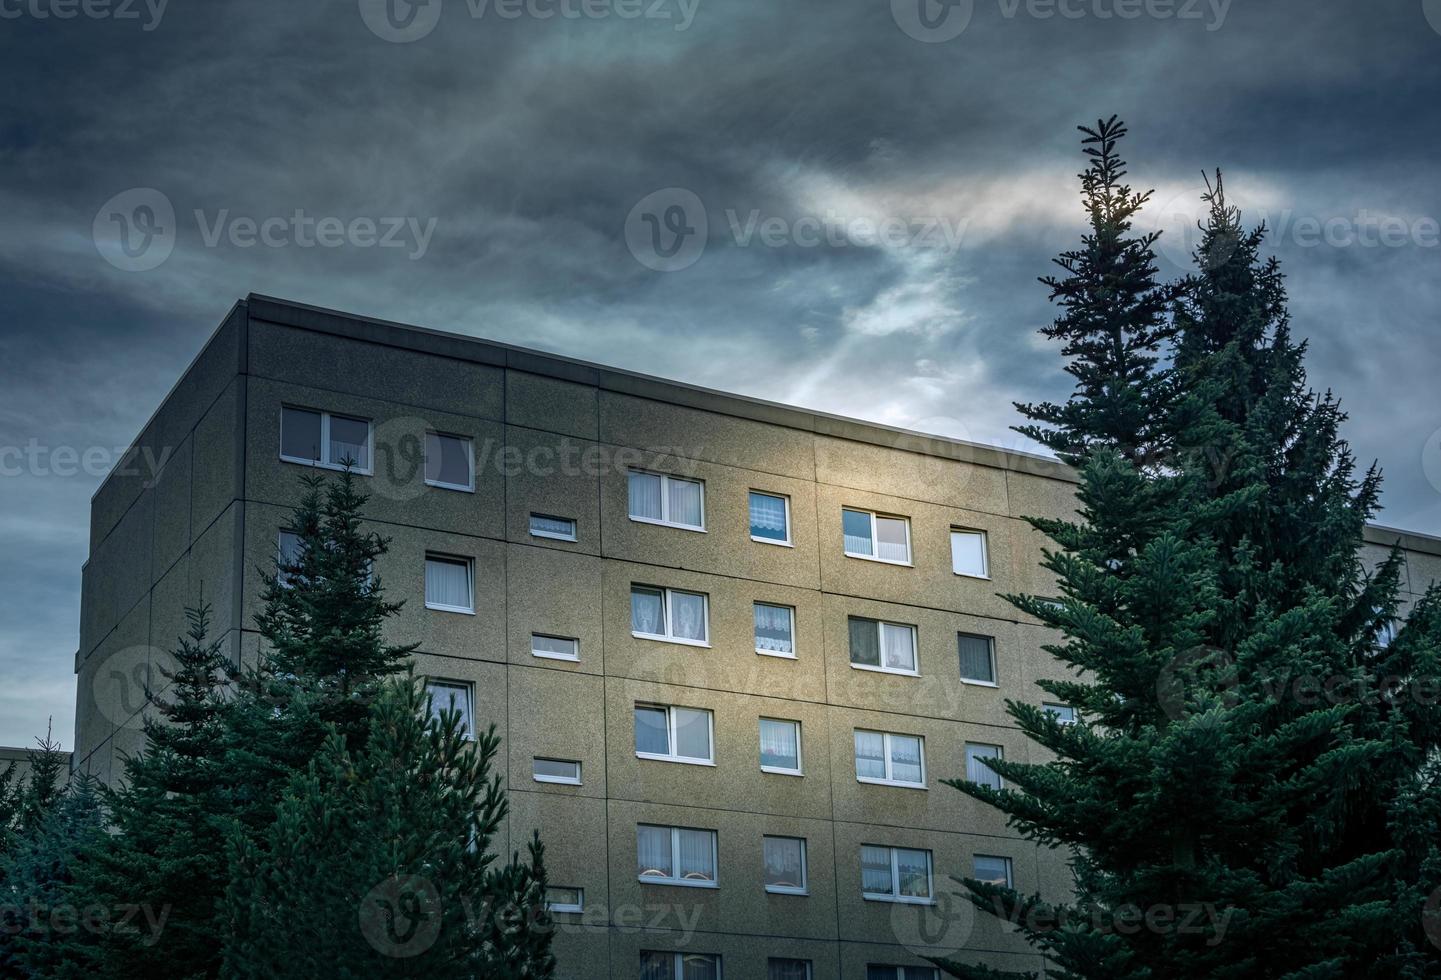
[[865, 192]]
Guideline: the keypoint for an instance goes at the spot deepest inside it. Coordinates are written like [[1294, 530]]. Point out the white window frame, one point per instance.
[[786, 499], [991, 642], [1010, 868], [548, 655], [905, 972], [881, 667], [665, 521], [567, 906], [675, 858], [805, 887], [875, 537], [888, 780], [670, 729], [574, 535], [773, 653], [666, 637], [810, 965], [468, 688], [1053, 708], [1000, 754], [558, 780], [469, 461], [895, 895], [469, 581], [799, 770], [985, 553], [324, 463]]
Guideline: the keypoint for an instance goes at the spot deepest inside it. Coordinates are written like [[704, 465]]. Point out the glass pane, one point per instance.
[[645, 496], [768, 517], [688, 612], [697, 855], [653, 857], [784, 867], [780, 747], [447, 583], [906, 758], [287, 557], [856, 526], [996, 870], [685, 502], [870, 755], [778, 969], [349, 440], [875, 870], [773, 628], [451, 697], [865, 642], [700, 966], [891, 541], [976, 770], [299, 433], [553, 646], [1063, 713], [447, 459], [692, 733], [558, 769], [651, 732], [883, 973], [968, 552], [560, 527], [899, 643], [647, 611], [560, 895], [976, 658], [914, 869]]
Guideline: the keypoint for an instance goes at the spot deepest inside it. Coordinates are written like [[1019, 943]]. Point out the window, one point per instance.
[[449, 462], [453, 696], [775, 630], [555, 528], [976, 770], [893, 760], [1385, 633], [770, 518], [659, 499], [322, 439], [993, 869], [448, 584], [875, 972], [566, 771], [895, 874], [978, 659], [781, 746], [670, 734], [874, 536], [676, 856], [679, 966], [563, 898], [1063, 713], [787, 969], [890, 647], [785, 860], [669, 614], [968, 553], [554, 647], [287, 554]]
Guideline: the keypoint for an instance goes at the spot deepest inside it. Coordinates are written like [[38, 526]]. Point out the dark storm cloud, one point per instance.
[[513, 149]]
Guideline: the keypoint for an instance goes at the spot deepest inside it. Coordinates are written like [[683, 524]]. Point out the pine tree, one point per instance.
[[1290, 834], [379, 862]]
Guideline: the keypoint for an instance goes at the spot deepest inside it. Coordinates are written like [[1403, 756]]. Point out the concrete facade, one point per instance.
[[197, 511]]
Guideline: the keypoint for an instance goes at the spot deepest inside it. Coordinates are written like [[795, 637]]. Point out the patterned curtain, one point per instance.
[[688, 610], [875, 870], [768, 516], [906, 758], [700, 966], [697, 855], [647, 612], [870, 755], [783, 862], [773, 628], [652, 845]]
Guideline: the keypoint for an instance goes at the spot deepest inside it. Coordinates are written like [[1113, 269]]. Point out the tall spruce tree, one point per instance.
[[1251, 789], [379, 862]]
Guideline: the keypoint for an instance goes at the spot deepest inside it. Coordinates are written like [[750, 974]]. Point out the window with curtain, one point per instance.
[[1063, 713], [322, 439], [696, 851], [563, 898], [673, 734], [662, 499], [647, 611], [653, 852], [658, 966], [968, 553], [565, 771], [785, 864], [913, 873], [556, 528], [876, 871], [895, 874], [870, 755], [865, 642], [856, 528], [976, 770], [871, 535], [996, 870], [688, 615], [768, 518], [676, 855], [287, 555], [978, 663], [886, 757], [780, 746], [669, 614], [898, 647], [699, 966], [448, 461], [787, 969], [889, 647], [452, 696], [893, 539], [775, 630], [447, 584], [554, 647]]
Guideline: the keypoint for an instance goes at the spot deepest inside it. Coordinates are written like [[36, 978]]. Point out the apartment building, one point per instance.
[[732, 647]]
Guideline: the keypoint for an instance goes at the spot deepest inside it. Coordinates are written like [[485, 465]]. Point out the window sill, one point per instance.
[[555, 656], [778, 544], [778, 656], [991, 684], [775, 771], [450, 609], [898, 899], [652, 757], [669, 639], [565, 909], [982, 578], [554, 537], [680, 527], [675, 882], [891, 782], [886, 670], [881, 561], [556, 780], [778, 890], [450, 486], [317, 464]]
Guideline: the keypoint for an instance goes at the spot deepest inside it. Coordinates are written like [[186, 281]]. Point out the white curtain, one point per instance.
[[552, 525], [906, 758], [447, 583], [875, 870], [697, 854], [783, 862], [976, 770], [688, 611], [768, 516], [647, 612], [899, 647], [976, 658], [645, 496], [685, 502], [773, 628], [653, 857], [778, 744], [891, 541], [870, 755]]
